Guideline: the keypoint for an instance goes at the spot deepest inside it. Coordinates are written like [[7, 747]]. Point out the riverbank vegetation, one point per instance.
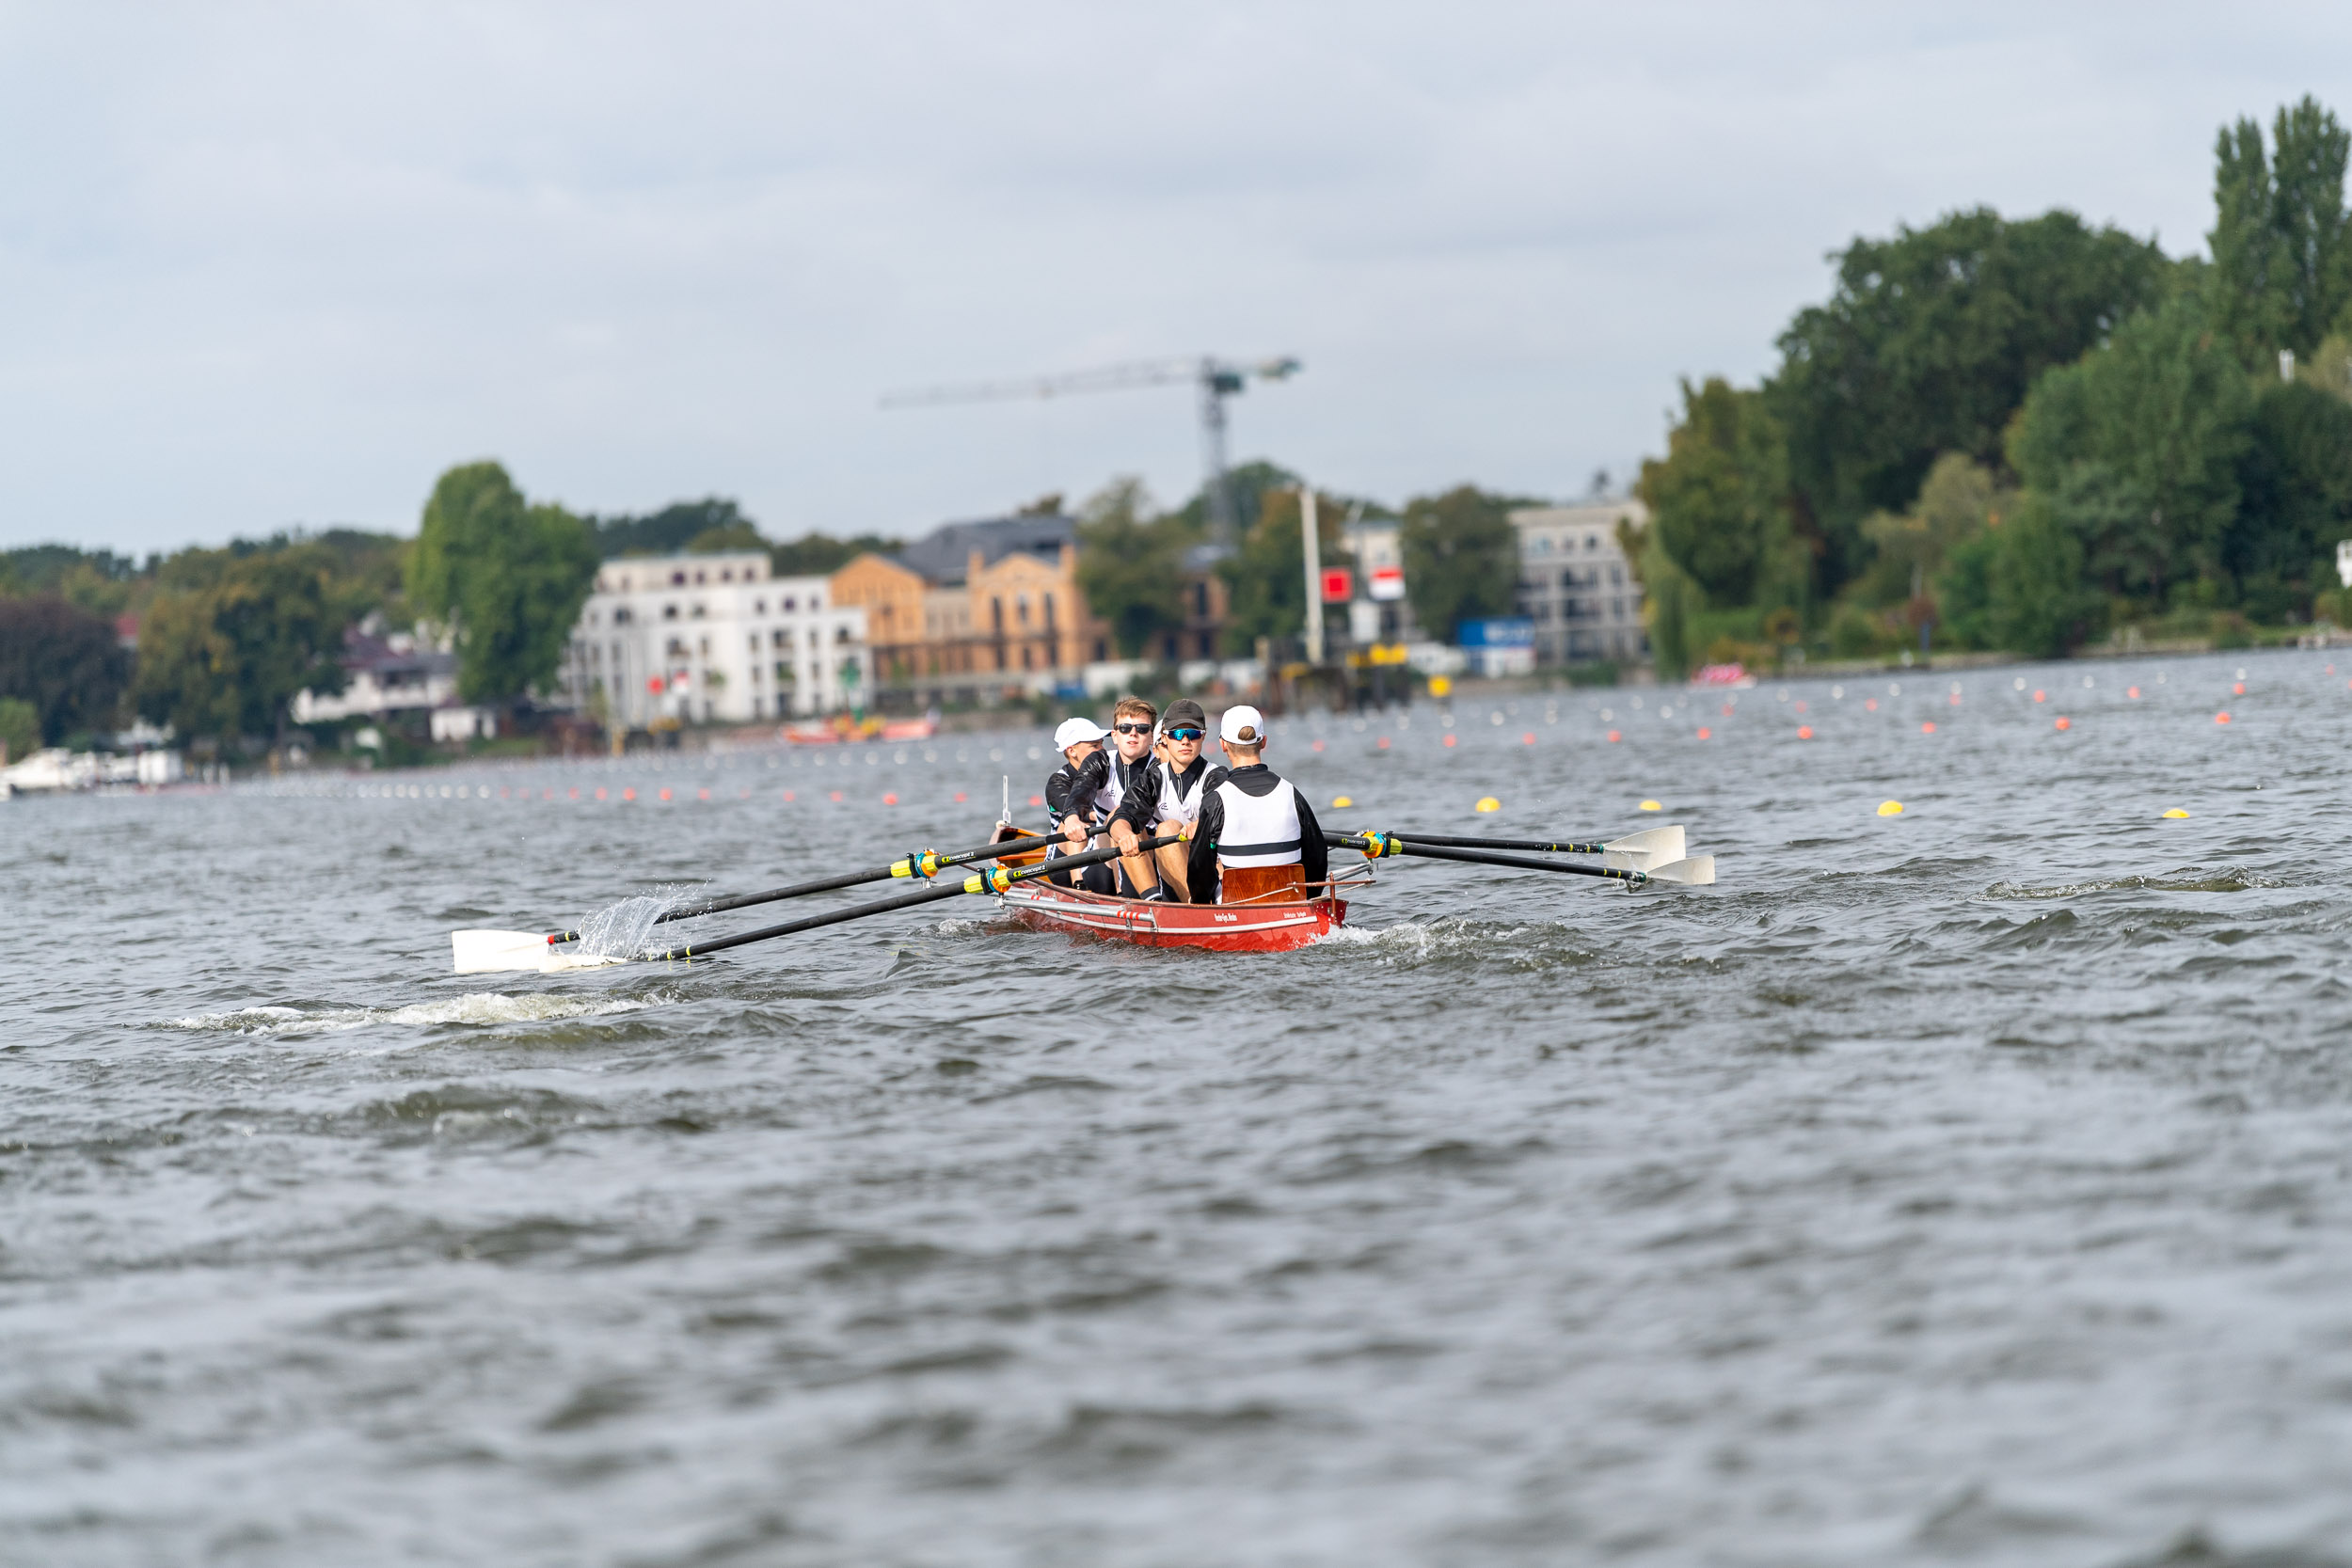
[[2027, 434]]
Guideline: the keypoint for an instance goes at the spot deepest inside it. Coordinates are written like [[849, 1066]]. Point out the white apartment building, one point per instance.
[[710, 639], [1577, 585]]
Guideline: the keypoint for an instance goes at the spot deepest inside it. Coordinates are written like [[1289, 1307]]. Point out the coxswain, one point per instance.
[[1166, 797], [1071, 795], [1257, 837]]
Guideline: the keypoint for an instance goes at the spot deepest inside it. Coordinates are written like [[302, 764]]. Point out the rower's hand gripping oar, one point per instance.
[[496, 952], [1697, 871]]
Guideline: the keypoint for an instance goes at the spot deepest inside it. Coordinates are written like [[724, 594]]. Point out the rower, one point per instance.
[[1071, 795], [1166, 797], [1257, 837], [1130, 763]]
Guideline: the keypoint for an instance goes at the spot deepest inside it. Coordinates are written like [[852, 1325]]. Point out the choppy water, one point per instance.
[[1971, 1185]]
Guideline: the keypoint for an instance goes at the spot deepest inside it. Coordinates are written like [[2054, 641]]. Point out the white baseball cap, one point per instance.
[[1242, 725], [1072, 731]]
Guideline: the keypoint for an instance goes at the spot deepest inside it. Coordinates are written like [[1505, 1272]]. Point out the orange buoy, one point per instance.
[[701, 795], [959, 796], [1804, 732], [1928, 728], [1528, 739], [1613, 734], [2133, 694], [2040, 696], [628, 794], [2238, 691], [2064, 723], [1384, 742], [1871, 702], [789, 795], [599, 794], [1705, 732], [837, 794], [890, 800], [1449, 740], [665, 792], [2220, 718]]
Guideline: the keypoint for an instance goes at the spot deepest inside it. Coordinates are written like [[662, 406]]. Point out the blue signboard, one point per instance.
[[1510, 631]]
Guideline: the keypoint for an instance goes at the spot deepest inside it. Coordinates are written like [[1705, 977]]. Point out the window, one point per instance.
[[669, 613], [701, 578], [1616, 577], [1592, 542], [752, 641], [1200, 600], [1542, 544], [677, 579], [997, 620], [1025, 651], [1021, 607], [1167, 648], [621, 616], [788, 604], [698, 612], [840, 634], [759, 607], [1101, 650], [1049, 612], [727, 573]]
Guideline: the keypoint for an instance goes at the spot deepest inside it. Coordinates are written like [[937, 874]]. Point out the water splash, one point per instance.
[[623, 930]]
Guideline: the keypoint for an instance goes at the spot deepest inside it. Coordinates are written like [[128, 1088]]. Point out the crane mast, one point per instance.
[[1215, 380]]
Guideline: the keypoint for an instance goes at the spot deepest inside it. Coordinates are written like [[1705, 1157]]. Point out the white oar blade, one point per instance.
[[558, 961], [1642, 851], [1697, 871], [1657, 845], [497, 952]]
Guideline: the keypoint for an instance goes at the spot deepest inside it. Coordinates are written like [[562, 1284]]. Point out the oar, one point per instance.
[[496, 952], [993, 880], [1698, 870], [1633, 852]]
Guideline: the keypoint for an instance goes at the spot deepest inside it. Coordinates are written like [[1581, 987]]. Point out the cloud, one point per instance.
[[264, 265]]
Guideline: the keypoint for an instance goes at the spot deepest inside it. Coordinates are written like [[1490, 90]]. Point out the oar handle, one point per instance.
[[1379, 845], [989, 882]]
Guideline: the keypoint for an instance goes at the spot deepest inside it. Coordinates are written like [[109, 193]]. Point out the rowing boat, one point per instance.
[[1270, 927], [1255, 926]]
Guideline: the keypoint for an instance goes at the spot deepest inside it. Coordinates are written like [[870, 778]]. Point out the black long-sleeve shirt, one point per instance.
[[1258, 781], [1070, 791]]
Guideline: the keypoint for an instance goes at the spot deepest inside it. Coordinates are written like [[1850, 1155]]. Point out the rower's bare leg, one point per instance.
[[1139, 873], [1171, 859]]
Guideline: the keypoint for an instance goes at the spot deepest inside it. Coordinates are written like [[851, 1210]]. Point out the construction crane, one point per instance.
[[1217, 379]]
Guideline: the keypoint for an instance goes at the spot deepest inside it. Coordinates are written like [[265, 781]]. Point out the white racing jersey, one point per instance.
[[1174, 805], [1259, 830]]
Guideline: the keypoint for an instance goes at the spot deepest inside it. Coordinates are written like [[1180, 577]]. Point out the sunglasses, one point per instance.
[[1133, 729], [1187, 735]]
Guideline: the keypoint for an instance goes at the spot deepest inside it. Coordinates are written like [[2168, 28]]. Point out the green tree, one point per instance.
[[507, 576], [20, 729], [714, 523], [1268, 576], [2139, 444], [1670, 604], [1928, 344], [1461, 558], [1909, 550], [2038, 604], [2297, 501], [2281, 270], [63, 660], [223, 652], [1719, 499], [816, 555], [1131, 565]]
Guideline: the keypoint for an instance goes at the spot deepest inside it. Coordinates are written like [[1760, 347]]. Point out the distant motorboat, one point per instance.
[[1734, 675]]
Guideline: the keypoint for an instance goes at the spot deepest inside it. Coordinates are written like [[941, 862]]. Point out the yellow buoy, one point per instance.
[[1439, 686], [1341, 803], [1890, 808], [2176, 813], [1487, 802], [1652, 805]]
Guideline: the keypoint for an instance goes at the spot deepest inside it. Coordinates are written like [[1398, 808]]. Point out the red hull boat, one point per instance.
[[1269, 926]]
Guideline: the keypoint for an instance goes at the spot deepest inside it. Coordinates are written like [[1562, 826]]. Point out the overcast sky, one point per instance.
[[275, 264]]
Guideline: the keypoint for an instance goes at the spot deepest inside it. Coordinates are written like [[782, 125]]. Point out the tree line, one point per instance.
[[216, 643], [2028, 433]]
